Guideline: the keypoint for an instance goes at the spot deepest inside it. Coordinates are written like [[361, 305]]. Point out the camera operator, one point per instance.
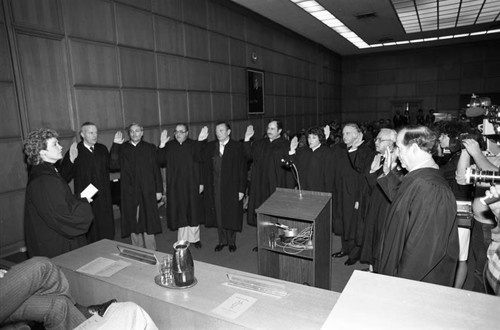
[[492, 270], [484, 220], [451, 149]]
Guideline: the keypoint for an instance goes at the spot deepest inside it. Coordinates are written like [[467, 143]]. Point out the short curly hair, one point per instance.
[[36, 142]]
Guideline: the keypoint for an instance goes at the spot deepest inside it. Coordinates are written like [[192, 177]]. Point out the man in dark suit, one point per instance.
[[88, 163], [224, 178]]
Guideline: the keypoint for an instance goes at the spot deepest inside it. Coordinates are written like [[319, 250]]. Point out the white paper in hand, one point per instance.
[[89, 192]]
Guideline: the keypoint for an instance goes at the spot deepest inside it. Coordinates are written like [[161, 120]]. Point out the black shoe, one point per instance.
[[100, 309], [197, 245], [255, 249], [339, 254], [350, 262], [232, 248], [219, 247]]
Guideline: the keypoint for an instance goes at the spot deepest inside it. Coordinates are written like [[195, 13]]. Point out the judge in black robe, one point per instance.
[[225, 179], [267, 171], [141, 186], [183, 183], [314, 163], [353, 159], [378, 203], [55, 222], [420, 237], [91, 166]]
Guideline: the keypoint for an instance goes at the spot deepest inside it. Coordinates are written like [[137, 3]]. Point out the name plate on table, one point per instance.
[[139, 255]]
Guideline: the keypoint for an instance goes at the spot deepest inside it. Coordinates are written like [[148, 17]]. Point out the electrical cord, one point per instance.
[[297, 243]]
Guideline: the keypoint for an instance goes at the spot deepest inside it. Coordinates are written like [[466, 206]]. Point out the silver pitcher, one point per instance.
[[182, 267]]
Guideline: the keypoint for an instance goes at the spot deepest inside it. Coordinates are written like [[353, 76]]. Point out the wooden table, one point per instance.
[[304, 307], [372, 301]]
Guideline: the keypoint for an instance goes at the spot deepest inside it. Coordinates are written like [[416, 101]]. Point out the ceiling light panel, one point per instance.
[[429, 15], [418, 16], [327, 18]]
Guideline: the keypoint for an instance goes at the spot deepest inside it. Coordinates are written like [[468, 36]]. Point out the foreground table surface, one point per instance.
[[372, 301], [304, 307]]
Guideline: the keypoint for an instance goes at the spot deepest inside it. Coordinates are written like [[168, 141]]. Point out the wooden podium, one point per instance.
[[312, 265]]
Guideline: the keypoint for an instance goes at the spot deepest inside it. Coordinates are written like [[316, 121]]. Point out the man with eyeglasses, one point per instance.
[[376, 212], [183, 183], [141, 186]]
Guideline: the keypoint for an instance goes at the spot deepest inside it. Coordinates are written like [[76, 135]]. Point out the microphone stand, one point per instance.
[[289, 163], [298, 179]]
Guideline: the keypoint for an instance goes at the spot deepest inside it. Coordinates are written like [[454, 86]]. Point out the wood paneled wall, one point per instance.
[[156, 62], [436, 77]]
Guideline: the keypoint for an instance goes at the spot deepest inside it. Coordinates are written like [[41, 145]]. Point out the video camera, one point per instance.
[[481, 106]]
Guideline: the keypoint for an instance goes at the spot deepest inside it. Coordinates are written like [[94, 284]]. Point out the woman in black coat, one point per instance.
[[55, 221]]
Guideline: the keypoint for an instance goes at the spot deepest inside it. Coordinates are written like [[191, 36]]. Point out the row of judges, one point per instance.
[[392, 207]]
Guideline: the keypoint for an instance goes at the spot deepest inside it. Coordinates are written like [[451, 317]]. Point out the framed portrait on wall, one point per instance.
[[255, 89]]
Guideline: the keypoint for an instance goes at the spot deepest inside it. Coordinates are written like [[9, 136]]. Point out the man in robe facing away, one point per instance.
[[267, 171], [141, 186], [55, 221], [420, 237], [88, 163], [183, 184], [353, 159], [225, 180]]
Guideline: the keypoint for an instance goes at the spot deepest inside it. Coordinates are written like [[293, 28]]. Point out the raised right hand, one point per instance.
[[249, 133], [376, 163], [118, 138], [203, 134], [164, 138], [294, 144], [73, 152], [390, 161]]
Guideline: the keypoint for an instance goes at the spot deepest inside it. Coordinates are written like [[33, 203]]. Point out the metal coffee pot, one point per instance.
[[182, 266]]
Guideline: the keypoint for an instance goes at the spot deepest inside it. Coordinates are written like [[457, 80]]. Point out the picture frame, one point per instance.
[[255, 92]]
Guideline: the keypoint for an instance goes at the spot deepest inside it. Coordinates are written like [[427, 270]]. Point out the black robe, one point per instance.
[[140, 180], [183, 183], [233, 182], [376, 214], [315, 168], [420, 237], [93, 167], [267, 171], [350, 199], [55, 222]]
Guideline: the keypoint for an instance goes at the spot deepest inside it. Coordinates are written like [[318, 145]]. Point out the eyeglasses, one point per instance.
[[180, 132], [381, 140]]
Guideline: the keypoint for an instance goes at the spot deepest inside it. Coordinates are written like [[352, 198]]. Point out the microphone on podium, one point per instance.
[[289, 163]]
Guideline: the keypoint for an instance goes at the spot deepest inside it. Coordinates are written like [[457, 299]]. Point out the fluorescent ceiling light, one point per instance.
[[417, 16], [327, 18], [444, 13]]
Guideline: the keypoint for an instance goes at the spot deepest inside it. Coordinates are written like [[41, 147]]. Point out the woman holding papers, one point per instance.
[[55, 221]]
